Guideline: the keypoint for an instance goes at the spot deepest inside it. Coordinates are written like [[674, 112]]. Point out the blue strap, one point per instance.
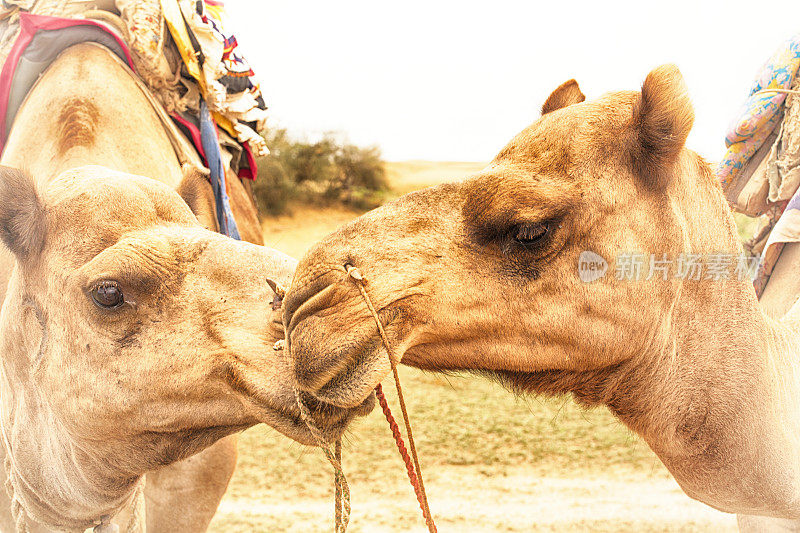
[[208, 138]]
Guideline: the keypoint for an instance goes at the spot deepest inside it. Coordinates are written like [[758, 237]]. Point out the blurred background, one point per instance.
[[370, 100], [453, 80]]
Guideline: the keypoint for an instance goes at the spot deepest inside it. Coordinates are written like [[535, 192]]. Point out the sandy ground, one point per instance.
[[520, 502]]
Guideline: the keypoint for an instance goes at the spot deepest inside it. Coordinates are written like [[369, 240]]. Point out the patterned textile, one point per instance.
[[239, 76], [224, 78], [761, 112], [758, 117], [155, 58]]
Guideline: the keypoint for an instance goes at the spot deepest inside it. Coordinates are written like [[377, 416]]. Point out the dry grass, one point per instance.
[[492, 461]]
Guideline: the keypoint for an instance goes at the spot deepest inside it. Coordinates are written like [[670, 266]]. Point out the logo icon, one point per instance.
[[591, 266]]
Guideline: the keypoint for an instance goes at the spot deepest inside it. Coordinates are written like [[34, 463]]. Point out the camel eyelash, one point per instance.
[[518, 235], [531, 235]]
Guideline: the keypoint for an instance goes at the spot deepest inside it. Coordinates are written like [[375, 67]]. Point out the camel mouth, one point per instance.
[[351, 388], [329, 420], [330, 424], [333, 420], [337, 355], [342, 371]]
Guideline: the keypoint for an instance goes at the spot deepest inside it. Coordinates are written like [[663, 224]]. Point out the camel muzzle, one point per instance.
[[334, 352]]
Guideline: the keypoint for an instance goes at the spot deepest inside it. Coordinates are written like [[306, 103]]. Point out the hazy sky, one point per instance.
[[448, 80]]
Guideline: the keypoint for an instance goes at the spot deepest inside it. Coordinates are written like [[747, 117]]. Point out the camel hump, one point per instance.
[[89, 108], [78, 124], [82, 88]]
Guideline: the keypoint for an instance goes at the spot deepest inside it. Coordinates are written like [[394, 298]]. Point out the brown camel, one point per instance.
[[132, 337], [486, 275]]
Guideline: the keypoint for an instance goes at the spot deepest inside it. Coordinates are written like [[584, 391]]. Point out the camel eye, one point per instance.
[[108, 295], [530, 234]]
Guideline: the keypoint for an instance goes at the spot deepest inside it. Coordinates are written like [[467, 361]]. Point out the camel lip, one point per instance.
[[334, 396], [353, 388], [349, 385], [330, 420], [293, 426], [361, 405], [334, 415]]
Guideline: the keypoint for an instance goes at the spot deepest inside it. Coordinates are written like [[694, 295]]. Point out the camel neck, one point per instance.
[[70, 489], [718, 397], [729, 413]]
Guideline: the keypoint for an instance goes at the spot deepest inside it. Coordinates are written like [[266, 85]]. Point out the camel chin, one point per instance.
[[488, 275]]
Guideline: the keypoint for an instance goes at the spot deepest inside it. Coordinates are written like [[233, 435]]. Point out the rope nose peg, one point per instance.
[[277, 288], [354, 272], [341, 487], [280, 293], [342, 490]]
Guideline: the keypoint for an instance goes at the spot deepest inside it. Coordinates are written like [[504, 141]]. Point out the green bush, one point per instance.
[[273, 189], [324, 172]]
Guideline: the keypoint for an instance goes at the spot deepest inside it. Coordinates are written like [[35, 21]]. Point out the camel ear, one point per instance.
[[567, 93], [662, 119], [196, 191], [23, 220]]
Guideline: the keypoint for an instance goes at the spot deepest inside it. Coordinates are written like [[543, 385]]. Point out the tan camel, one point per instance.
[[131, 336], [483, 275]]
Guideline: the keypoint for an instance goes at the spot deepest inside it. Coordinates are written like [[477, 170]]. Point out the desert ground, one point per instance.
[[492, 461]]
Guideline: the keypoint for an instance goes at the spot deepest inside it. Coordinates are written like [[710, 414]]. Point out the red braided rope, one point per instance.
[[401, 446], [412, 462]]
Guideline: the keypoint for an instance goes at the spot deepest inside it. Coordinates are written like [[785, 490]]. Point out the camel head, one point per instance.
[[131, 337], [484, 274], [527, 272]]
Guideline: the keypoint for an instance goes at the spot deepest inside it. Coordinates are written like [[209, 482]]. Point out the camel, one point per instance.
[[135, 341], [494, 275]]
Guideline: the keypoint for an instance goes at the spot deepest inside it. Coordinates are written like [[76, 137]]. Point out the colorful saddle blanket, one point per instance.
[[761, 112], [760, 173], [39, 42]]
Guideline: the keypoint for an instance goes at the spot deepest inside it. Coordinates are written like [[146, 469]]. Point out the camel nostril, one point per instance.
[[296, 297]]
